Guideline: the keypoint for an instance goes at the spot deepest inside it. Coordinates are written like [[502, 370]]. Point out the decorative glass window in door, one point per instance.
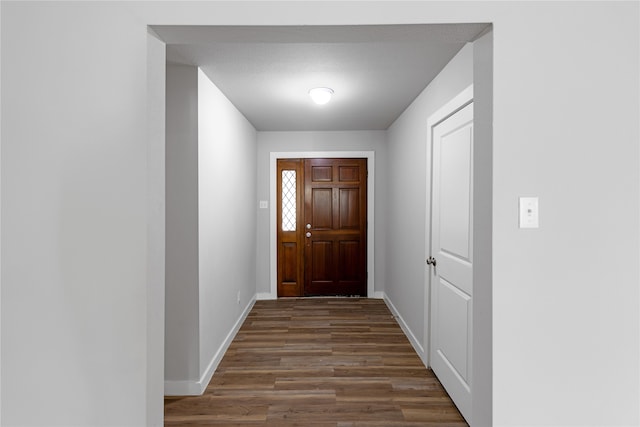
[[288, 200]]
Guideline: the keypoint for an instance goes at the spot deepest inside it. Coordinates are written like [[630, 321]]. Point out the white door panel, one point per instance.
[[453, 318], [451, 247], [454, 179]]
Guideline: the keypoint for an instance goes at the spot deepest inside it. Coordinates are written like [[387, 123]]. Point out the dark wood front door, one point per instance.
[[335, 218], [325, 252]]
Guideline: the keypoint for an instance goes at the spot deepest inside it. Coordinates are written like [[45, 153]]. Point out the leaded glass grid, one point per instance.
[[288, 200]]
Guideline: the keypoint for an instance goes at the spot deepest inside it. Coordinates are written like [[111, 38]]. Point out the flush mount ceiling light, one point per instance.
[[321, 95]]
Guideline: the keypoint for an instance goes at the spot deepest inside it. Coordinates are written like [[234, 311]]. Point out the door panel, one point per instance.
[[451, 243], [348, 261], [453, 310], [349, 208], [349, 173], [321, 261], [335, 208], [455, 188], [322, 208], [290, 262], [321, 173], [289, 235]]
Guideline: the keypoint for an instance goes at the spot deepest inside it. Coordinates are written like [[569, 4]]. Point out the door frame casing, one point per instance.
[[273, 244], [451, 107]]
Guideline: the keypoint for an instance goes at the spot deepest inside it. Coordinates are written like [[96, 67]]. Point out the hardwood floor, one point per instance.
[[319, 362]]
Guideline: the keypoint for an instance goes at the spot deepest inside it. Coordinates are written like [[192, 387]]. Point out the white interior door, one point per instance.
[[451, 259]]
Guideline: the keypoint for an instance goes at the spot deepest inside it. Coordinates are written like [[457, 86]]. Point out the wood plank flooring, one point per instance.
[[319, 362]]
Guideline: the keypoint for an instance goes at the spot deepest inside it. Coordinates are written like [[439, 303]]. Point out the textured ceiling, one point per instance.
[[266, 72]]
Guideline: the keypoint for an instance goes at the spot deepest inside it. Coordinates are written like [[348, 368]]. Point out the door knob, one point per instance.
[[308, 234], [308, 226], [431, 261]]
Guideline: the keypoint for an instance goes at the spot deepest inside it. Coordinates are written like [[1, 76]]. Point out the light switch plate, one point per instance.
[[264, 204], [529, 215]]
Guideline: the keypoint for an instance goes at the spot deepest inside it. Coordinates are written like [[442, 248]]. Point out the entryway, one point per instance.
[[275, 223], [399, 213], [321, 222]]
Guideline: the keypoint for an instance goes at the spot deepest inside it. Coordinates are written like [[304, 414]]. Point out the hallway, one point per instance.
[[319, 362]]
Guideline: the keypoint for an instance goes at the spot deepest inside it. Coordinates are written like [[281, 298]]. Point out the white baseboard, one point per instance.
[[196, 388], [378, 295], [265, 296], [182, 388], [407, 331]]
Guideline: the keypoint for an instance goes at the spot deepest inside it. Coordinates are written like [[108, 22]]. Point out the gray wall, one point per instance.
[[482, 345], [408, 226], [226, 219], [74, 216], [181, 263], [566, 130], [407, 188], [320, 141], [155, 280], [210, 226], [75, 184]]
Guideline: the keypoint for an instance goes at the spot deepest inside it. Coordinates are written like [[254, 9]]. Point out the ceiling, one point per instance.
[[376, 71]]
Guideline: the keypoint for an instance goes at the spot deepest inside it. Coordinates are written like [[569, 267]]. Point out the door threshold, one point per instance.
[[325, 297]]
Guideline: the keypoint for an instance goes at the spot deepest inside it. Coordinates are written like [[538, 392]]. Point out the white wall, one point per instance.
[[320, 141], [407, 189], [482, 367], [156, 95], [226, 220], [74, 166], [74, 216], [565, 296], [0, 215], [210, 227], [182, 326]]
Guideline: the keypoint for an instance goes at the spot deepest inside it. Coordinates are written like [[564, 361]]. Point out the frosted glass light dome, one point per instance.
[[321, 95]]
